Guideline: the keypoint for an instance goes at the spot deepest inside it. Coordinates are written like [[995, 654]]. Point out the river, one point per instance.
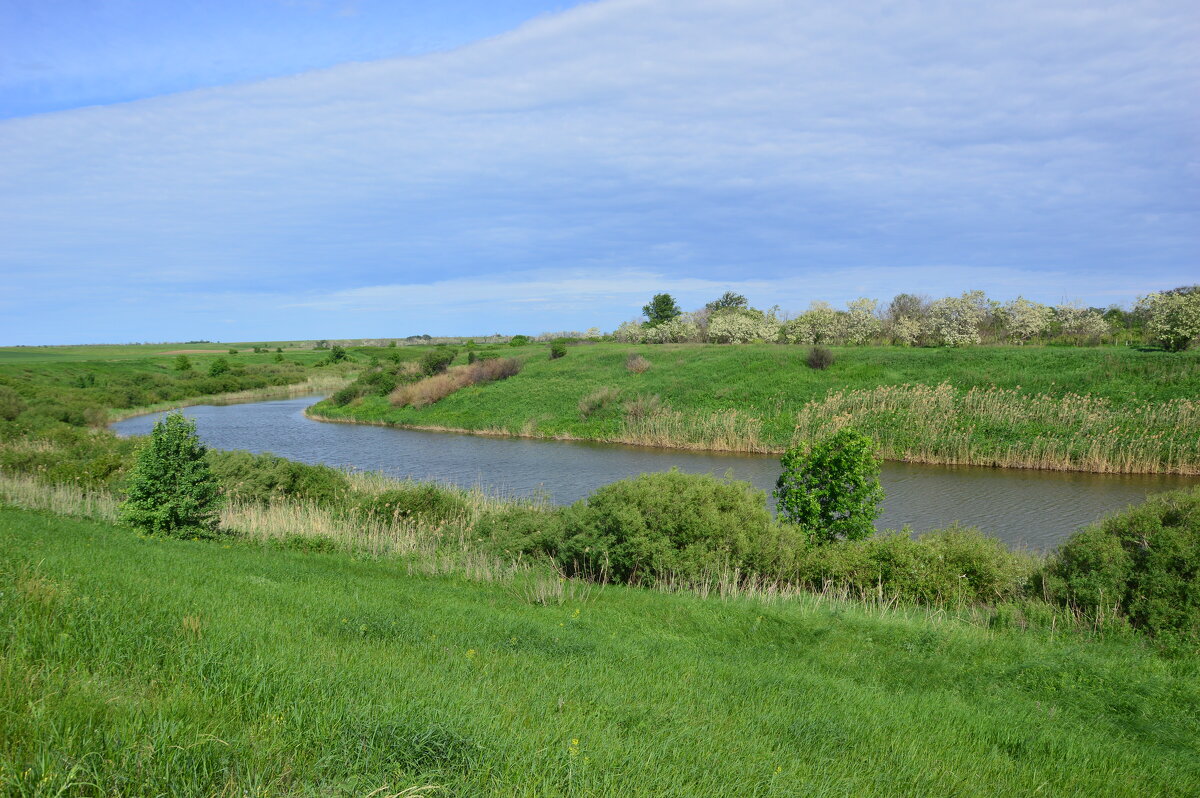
[[1032, 509]]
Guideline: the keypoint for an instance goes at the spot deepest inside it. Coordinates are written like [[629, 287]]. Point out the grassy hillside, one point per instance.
[[137, 666], [1069, 408]]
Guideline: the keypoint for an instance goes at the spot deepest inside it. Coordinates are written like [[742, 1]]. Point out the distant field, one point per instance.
[[1102, 409], [17, 354], [131, 666]]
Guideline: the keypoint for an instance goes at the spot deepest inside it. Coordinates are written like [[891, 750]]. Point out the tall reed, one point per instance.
[[1008, 427]]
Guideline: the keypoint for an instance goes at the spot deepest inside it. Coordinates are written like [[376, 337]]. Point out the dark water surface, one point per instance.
[[1036, 509]]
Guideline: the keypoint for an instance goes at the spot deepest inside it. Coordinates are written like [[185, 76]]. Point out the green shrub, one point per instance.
[[218, 367], [519, 340], [171, 489], [954, 566], [425, 502], [558, 349], [1144, 562], [436, 361], [11, 403], [522, 531], [182, 363], [831, 491], [345, 396], [265, 478], [671, 524], [819, 358], [233, 351]]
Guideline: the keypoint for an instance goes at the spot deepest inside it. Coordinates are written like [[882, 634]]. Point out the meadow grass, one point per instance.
[[1103, 409], [135, 666]]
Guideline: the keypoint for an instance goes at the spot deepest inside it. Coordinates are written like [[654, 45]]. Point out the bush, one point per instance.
[[422, 502], [955, 566], [519, 340], [637, 364], [522, 531], [558, 349], [182, 363], [345, 396], [819, 358], [682, 526], [264, 478], [11, 404], [218, 367], [1144, 562], [436, 361], [831, 491], [171, 489]]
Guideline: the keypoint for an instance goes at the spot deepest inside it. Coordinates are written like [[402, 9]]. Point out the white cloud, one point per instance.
[[639, 141]]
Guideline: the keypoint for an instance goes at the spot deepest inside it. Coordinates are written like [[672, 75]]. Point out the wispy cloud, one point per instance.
[[788, 150]]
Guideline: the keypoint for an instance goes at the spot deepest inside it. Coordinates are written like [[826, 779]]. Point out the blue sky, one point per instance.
[[276, 170]]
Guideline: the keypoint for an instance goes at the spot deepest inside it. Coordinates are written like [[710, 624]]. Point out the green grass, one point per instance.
[[751, 398], [135, 666]]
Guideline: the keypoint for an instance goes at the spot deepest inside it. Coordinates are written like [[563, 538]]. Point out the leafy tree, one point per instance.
[[955, 321], [182, 363], [661, 308], [218, 367], [727, 300], [337, 354], [831, 491], [171, 488], [1174, 317]]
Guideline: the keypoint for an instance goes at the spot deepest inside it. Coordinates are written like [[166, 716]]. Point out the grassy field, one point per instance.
[[148, 666], [1103, 409]]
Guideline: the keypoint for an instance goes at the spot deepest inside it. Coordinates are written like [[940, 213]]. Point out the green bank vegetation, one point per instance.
[[1111, 409], [279, 664], [345, 634]]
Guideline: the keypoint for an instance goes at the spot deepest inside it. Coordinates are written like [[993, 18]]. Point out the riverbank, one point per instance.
[[236, 667], [1101, 411], [319, 384]]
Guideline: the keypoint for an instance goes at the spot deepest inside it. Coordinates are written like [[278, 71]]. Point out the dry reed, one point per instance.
[[439, 386]]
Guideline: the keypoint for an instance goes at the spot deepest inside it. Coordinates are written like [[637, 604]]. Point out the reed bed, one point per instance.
[[1011, 428], [727, 431]]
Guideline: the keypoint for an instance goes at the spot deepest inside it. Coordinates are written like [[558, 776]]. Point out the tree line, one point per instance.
[[1169, 319]]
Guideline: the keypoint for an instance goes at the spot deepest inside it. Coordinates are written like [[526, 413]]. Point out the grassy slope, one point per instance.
[[162, 667], [772, 383]]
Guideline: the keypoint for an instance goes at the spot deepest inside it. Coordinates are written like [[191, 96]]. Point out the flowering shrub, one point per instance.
[[955, 321], [860, 323], [741, 326], [1174, 318], [820, 324]]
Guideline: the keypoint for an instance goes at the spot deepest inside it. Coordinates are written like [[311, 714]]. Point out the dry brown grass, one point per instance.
[[439, 386], [637, 364], [598, 399]]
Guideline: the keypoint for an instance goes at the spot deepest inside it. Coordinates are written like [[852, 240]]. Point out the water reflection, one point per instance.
[[1036, 509]]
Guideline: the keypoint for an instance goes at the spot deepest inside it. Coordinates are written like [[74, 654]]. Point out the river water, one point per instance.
[[1033, 509]]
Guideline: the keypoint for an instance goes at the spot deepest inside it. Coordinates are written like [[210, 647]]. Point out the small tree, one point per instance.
[[182, 363], [218, 367], [661, 308], [727, 300], [832, 491], [172, 490]]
